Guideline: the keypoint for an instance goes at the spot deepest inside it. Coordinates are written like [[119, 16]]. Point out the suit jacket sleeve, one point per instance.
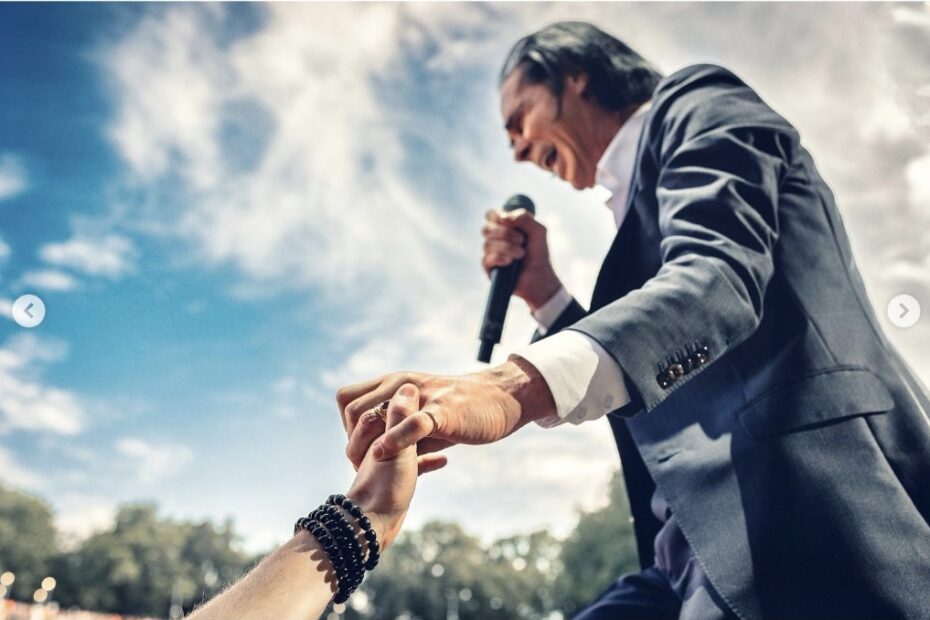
[[720, 154]]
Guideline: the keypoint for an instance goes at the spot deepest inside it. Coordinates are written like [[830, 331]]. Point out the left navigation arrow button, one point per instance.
[[28, 311]]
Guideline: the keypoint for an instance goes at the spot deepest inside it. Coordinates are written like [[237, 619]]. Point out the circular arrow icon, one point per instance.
[[28, 311], [903, 311]]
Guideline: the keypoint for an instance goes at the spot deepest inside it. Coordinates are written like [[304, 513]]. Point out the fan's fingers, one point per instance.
[[369, 427], [417, 427], [431, 462], [375, 396]]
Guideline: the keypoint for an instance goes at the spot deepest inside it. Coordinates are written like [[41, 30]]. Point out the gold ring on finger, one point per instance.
[[381, 410]]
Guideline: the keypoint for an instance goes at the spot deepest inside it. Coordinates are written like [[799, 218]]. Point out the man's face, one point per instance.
[[565, 144]]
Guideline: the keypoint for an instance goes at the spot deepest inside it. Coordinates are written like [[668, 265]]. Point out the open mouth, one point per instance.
[[551, 157]]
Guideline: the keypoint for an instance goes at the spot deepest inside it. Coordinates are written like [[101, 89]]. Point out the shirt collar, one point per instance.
[[615, 168]]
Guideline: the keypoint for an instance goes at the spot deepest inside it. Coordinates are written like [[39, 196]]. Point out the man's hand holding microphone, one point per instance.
[[512, 235]]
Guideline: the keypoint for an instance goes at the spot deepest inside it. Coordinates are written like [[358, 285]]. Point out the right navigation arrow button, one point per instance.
[[903, 311]]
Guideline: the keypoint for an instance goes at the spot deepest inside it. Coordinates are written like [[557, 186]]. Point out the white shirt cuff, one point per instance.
[[547, 314], [585, 381]]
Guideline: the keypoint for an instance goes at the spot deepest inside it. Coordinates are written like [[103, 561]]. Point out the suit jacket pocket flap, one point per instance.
[[815, 399]]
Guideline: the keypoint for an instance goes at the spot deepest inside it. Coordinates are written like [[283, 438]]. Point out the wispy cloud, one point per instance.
[[918, 178], [325, 195], [26, 403], [6, 308], [79, 515], [152, 462], [110, 256], [5, 250], [13, 178], [15, 474], [54, 280], [545, 476]]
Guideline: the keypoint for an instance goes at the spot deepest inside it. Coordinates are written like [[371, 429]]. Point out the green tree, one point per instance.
[[600, 549], [532, 564], [27, 540], [440, 568], [144, 562], [525, 576]]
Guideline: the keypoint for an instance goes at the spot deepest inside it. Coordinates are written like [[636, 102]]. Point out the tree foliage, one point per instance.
[[598, 551], [144, 562], [440, 571], [27, 540], [527, 576]]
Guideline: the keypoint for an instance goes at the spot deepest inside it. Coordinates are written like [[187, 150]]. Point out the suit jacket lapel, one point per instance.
[[628, 258]]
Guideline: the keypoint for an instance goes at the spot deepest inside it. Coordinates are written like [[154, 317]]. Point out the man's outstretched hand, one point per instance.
[[477, 408]]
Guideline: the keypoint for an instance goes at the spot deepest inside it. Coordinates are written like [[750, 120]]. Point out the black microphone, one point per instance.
[[503, 281]]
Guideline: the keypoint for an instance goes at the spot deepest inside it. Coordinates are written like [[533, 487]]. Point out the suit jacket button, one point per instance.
[[665, 379]]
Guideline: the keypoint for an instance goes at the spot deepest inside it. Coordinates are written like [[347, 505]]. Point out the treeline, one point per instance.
[[145, 562]]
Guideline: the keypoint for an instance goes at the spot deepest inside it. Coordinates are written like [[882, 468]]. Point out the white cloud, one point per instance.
[[110, 256], [181, 83], [541, 477], [327, 196], [25, 402], [13, 179], [50, 280], [4, 250], [918, 177], [889, 120], [15, 474], [287, 398], [6, 308], [79, 515], [154, 461]]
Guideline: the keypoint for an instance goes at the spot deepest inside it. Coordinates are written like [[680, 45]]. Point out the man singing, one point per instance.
[[775, 447]]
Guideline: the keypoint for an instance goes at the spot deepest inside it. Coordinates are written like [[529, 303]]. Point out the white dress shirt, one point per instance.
[[585, 381]]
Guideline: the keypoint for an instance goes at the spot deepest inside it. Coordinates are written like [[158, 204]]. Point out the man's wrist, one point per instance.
[[524, 383], [548, 314], [546, 293]]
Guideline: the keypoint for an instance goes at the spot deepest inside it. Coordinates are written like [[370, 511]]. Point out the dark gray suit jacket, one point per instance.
[[788, 437]]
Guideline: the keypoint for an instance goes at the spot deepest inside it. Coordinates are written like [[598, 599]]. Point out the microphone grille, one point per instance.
[[520, 201]]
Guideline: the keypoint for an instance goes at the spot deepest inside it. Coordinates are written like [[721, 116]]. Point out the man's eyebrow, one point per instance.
[[512, 119]]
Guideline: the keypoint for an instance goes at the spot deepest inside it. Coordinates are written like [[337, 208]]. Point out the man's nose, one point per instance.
[[521, 149]]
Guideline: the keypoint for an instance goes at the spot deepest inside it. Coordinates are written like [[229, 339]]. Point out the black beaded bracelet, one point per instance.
[[337, 523], [330, 547], [342, 533], [322, 527], [371, 538], [332, 529]]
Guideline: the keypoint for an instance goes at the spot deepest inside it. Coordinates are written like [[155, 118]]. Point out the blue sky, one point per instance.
[[231, 210]]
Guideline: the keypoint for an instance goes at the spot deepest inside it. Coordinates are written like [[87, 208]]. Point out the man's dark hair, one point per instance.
[[617, 76]]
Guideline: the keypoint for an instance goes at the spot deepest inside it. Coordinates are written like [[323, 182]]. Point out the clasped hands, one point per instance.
[[477, 408]]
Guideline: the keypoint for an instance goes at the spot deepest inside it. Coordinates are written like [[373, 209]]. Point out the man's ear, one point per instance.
[[578, 84]]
